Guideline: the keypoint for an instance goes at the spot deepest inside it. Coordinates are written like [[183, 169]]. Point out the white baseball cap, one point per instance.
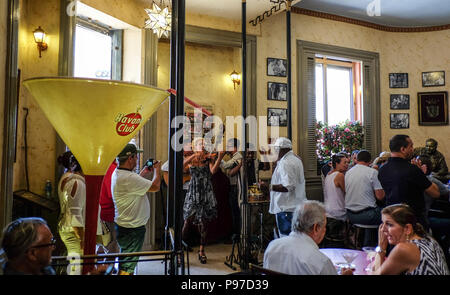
[[283, 143]]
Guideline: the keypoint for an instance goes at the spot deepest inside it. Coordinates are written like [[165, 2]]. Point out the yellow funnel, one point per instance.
[[96, 119]]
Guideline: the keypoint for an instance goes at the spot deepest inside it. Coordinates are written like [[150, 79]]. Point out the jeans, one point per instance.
[[72, 243], [284, 221], [369, 216], [130, 240]]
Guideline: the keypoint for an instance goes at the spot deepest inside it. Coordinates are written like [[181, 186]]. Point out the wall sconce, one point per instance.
[[236, 78], [39, 36]]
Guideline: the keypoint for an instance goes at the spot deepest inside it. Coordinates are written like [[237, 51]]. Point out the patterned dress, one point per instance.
[[432, 259], [200, 201]]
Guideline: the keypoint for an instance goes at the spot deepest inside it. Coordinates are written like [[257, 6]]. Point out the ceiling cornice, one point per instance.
[[368, 24]]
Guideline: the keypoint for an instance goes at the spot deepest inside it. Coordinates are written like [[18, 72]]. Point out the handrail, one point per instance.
[[145, 253]]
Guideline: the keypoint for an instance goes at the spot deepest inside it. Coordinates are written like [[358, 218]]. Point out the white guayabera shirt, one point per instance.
[[288, 173]]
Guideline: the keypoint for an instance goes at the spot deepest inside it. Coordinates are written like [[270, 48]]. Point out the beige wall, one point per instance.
[[41, 135], [3, 34], [415, 53], [207, 82], [399, 52]]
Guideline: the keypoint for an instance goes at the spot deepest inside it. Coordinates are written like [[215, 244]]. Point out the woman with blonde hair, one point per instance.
[[200, 204], [414, 252]]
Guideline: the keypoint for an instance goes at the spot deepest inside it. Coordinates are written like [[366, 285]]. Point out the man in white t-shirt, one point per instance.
[[287, 188], [362, 190], [132, 206]]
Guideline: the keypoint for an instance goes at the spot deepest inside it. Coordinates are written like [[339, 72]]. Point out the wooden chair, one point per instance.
[[259, 270]]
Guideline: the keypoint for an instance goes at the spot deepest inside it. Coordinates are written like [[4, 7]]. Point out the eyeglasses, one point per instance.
[[51, 244]]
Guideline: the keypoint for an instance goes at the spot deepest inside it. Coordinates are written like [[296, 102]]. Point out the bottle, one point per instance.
[[48, 189]]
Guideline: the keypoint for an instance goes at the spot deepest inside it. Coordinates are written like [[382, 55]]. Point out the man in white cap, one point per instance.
[[287, 188]]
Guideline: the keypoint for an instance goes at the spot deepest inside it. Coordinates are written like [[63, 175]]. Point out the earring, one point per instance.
[[407, 237]]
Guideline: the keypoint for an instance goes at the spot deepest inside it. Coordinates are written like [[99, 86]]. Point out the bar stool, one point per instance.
[[361, 227]]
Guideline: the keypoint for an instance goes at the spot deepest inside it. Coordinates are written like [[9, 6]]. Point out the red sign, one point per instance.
[[128, 123]]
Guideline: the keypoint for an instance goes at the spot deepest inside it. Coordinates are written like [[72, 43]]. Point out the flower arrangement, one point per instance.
[[347, 136]]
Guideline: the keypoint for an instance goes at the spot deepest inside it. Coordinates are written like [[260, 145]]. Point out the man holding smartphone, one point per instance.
[[132, 205]]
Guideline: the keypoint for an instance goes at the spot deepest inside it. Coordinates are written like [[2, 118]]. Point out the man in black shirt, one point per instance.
[[404, 182]]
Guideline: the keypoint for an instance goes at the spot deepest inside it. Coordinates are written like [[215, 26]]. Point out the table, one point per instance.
[[335, 255]]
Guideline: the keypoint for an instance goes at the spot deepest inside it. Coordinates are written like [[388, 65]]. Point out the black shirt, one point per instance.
[[404, 182]]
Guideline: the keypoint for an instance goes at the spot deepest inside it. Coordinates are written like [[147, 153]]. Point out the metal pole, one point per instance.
[[178, 214], [172, 108], [245, 217], [288, 70]]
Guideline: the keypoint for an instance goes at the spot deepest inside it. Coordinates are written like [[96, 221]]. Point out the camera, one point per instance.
[[149, 163]]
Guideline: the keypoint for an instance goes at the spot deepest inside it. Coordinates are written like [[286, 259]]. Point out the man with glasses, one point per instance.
[[132, 205], [28, 244]]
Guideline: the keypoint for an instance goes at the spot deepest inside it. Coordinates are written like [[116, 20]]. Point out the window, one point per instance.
[[97, 50], [335, 85], [93, 52]]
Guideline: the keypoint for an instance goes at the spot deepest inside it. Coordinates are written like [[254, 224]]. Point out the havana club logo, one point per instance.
[[126, 124]]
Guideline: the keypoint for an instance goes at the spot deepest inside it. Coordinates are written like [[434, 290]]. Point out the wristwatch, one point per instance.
[[379, 250]]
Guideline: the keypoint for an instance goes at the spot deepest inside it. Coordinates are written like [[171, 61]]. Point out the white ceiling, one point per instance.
[[398, 13], [230, 9], [395, 13]]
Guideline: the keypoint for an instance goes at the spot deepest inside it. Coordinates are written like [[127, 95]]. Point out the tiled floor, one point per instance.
[[216, 254]]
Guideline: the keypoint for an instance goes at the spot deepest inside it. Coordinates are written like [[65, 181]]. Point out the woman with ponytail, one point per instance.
[[414, 252]]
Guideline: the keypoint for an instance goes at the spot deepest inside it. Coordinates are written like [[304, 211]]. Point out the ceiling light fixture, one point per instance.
[[160, 19]]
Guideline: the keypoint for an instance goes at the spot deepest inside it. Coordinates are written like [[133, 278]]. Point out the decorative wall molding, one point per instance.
[[368, 24]]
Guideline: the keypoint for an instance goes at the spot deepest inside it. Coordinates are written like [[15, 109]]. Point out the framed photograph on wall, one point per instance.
[[430, 79], [276, 117], [276, 67], [276, 91], [433, 108], [398, 80], [399, 120], [399, 101]]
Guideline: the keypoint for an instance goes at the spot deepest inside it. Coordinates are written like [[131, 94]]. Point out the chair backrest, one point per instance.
[[259, 270]]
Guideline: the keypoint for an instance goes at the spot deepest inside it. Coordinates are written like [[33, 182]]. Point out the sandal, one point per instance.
[[202, 258]]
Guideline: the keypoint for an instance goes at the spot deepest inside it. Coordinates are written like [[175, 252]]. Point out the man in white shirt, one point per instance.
[[132, 206], [298, 253], [363, 189], [287, 188]]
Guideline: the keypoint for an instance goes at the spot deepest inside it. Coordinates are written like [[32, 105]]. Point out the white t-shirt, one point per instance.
[[130, 199], [288, 173], [297, 254], [73, 209], [360, 183]]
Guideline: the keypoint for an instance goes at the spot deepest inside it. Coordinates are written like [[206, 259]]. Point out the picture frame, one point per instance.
[[399, 120], [276, 67], [433, 108], [277, 91], [276, 117], [399, 101], [432, 79], [398, 80]]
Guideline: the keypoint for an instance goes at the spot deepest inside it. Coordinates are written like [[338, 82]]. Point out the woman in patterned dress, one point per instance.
[[200, 205], [415, 252]]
